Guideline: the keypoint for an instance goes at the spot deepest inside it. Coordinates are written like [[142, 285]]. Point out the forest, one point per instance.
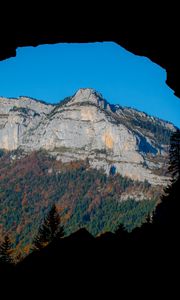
[[84, 197]]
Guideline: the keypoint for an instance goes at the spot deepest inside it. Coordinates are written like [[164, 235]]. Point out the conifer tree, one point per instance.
[[121, 232], [50, 230], [6, 251], [167, 212], [174, 155]]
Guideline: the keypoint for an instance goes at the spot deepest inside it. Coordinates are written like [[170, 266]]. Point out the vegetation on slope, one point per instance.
[[84, 197]]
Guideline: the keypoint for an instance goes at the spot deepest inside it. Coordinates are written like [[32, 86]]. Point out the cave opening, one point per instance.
[[126, 93]]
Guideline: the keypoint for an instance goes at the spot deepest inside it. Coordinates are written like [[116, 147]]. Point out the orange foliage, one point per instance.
[[17, 189], [27, 248], [19, 228], [24, 200], [95, 202]]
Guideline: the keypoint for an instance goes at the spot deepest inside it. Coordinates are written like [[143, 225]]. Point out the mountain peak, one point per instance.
[[87, 92], [87, 95]]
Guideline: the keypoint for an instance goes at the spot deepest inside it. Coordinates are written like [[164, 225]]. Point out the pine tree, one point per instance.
[[50, 230], [6, 251], [121, 232], [174, 155], [167, 212]]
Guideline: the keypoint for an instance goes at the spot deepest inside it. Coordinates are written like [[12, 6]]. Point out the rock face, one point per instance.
[[18, 116], [87, 126]]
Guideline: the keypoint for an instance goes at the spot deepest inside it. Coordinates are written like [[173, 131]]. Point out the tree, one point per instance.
[[121, 232], [174, 155], [6, 251], [112, 170], [50, 230], [167, 212], [1, 152]]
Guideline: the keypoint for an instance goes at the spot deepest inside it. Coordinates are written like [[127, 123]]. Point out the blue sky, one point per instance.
[[53, 72]]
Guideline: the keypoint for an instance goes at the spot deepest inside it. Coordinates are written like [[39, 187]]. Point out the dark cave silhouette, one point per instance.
[[150, 257], [147, 32]]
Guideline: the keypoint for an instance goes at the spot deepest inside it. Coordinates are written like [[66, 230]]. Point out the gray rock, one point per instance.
[[86, 126]]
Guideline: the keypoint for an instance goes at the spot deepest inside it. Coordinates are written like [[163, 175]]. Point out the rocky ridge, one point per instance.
[[85, 126]]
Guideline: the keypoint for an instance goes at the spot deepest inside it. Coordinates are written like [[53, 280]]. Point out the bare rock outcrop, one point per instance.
[[87, 126]]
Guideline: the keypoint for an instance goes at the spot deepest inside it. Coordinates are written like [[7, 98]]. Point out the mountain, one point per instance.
[[101, 164], [85, 126]]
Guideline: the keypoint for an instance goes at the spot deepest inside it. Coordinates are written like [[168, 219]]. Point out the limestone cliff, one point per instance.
[[87, 126]]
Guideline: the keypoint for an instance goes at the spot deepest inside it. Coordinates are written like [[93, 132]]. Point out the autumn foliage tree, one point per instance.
[[50, 230]]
